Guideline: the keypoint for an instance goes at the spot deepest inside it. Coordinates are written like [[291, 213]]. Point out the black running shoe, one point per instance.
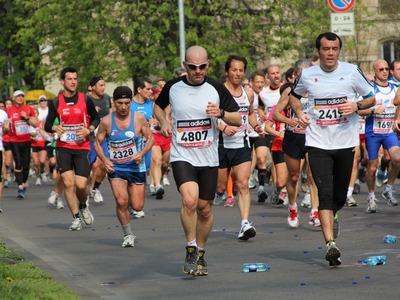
[[190, 265], [333, 254], [201, 264]]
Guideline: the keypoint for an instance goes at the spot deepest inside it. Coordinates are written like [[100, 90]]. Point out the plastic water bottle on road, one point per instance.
[[390, 239], [255, 267], [375, 260]]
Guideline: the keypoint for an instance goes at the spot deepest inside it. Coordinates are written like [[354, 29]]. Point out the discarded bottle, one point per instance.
[[390, 239], [255, 267], [375, 260]]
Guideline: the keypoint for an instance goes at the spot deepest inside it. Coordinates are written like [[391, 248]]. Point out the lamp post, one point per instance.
[[182, 41]]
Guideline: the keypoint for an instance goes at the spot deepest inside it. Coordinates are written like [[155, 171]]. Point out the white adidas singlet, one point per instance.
[[194, 134], [330, 130]]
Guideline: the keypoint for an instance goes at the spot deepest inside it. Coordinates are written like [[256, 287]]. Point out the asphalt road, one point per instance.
[[92, 263]]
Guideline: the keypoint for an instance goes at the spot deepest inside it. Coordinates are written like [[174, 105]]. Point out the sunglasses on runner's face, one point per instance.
[[42, 100], [194, 66], [383, 69]]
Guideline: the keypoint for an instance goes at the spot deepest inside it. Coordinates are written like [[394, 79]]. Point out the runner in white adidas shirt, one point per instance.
[[379, 132], [331, 128], [196, 103]]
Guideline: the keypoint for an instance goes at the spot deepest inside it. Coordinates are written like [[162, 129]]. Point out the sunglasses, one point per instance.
[[383, 69], [42, 100], [194, 66], [89, 91]]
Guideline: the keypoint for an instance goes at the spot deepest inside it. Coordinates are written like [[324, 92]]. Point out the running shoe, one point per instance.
[[371, 206], [76, 224], [218, 199], [230, 201], [390, 199], [190, 264], [152, 190], [306, 201], [246, 231], [333, 254], [351, 202], [275, 200], [283, 197], [385, 177], [159, 192], [129, 241], [379, 178], [21, 193], [44, 177], [336, 226], [138, 214], [97, 197], [1, 210], [314, 219], [166, 181], [201, 264], [293, 218], [38, 181], [262, 194], [6, 184], [304, 183], [252, 183], [255, 174], [60, 204], [357, 188], [52, 198], [87, 216]]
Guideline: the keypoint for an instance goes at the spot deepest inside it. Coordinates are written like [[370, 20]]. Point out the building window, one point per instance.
[[390, 50]]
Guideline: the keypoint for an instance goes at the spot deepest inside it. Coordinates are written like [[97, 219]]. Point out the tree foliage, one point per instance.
[[126, 39]]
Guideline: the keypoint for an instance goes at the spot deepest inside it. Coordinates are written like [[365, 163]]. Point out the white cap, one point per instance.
[[42, 97], [18, 93]]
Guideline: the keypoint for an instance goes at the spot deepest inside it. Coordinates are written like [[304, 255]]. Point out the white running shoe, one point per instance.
[[76, 224], [246, 231], [60, 203], [165, 181], [293, 218], [218, 199], [306, 201], [87, 216], [38, 181], [152, 190], [129, 241], [97, 197], [44, 177], [52, 198], [371, 207], [138, 214]]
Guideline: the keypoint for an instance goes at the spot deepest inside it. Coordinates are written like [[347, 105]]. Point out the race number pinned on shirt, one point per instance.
[[383, 123], [361, 125], [327, 111], [21, 127], [194, 133], [70, 136], [121, 151]]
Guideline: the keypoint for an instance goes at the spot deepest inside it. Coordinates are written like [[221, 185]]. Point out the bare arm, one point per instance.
[[166, 128], [102, 132]]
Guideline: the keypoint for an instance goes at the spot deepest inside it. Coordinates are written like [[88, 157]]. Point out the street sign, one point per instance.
[[341, 5], [342, 23]]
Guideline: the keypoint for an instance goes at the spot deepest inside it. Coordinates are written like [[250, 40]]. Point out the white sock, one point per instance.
[[350, 192], [245, 221], [192, 243]]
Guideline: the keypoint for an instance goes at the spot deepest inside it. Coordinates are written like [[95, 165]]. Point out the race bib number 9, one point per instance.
[[328, 112], [194, 133]]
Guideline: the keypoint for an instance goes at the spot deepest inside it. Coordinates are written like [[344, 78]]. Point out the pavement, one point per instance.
[[92, 263]]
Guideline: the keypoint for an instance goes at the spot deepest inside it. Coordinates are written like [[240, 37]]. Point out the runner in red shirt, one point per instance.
[[78, 119], [21, 116]]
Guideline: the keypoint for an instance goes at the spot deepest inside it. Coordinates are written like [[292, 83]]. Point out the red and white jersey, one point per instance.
[[73, 117], [330, 130], [19, 127]]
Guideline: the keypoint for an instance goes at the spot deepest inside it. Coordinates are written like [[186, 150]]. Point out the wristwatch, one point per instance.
[[359, 106], [91, 130], [372, 111], [222, 113]]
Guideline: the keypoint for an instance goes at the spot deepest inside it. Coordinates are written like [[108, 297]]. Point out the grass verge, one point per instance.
[[21, 280]]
